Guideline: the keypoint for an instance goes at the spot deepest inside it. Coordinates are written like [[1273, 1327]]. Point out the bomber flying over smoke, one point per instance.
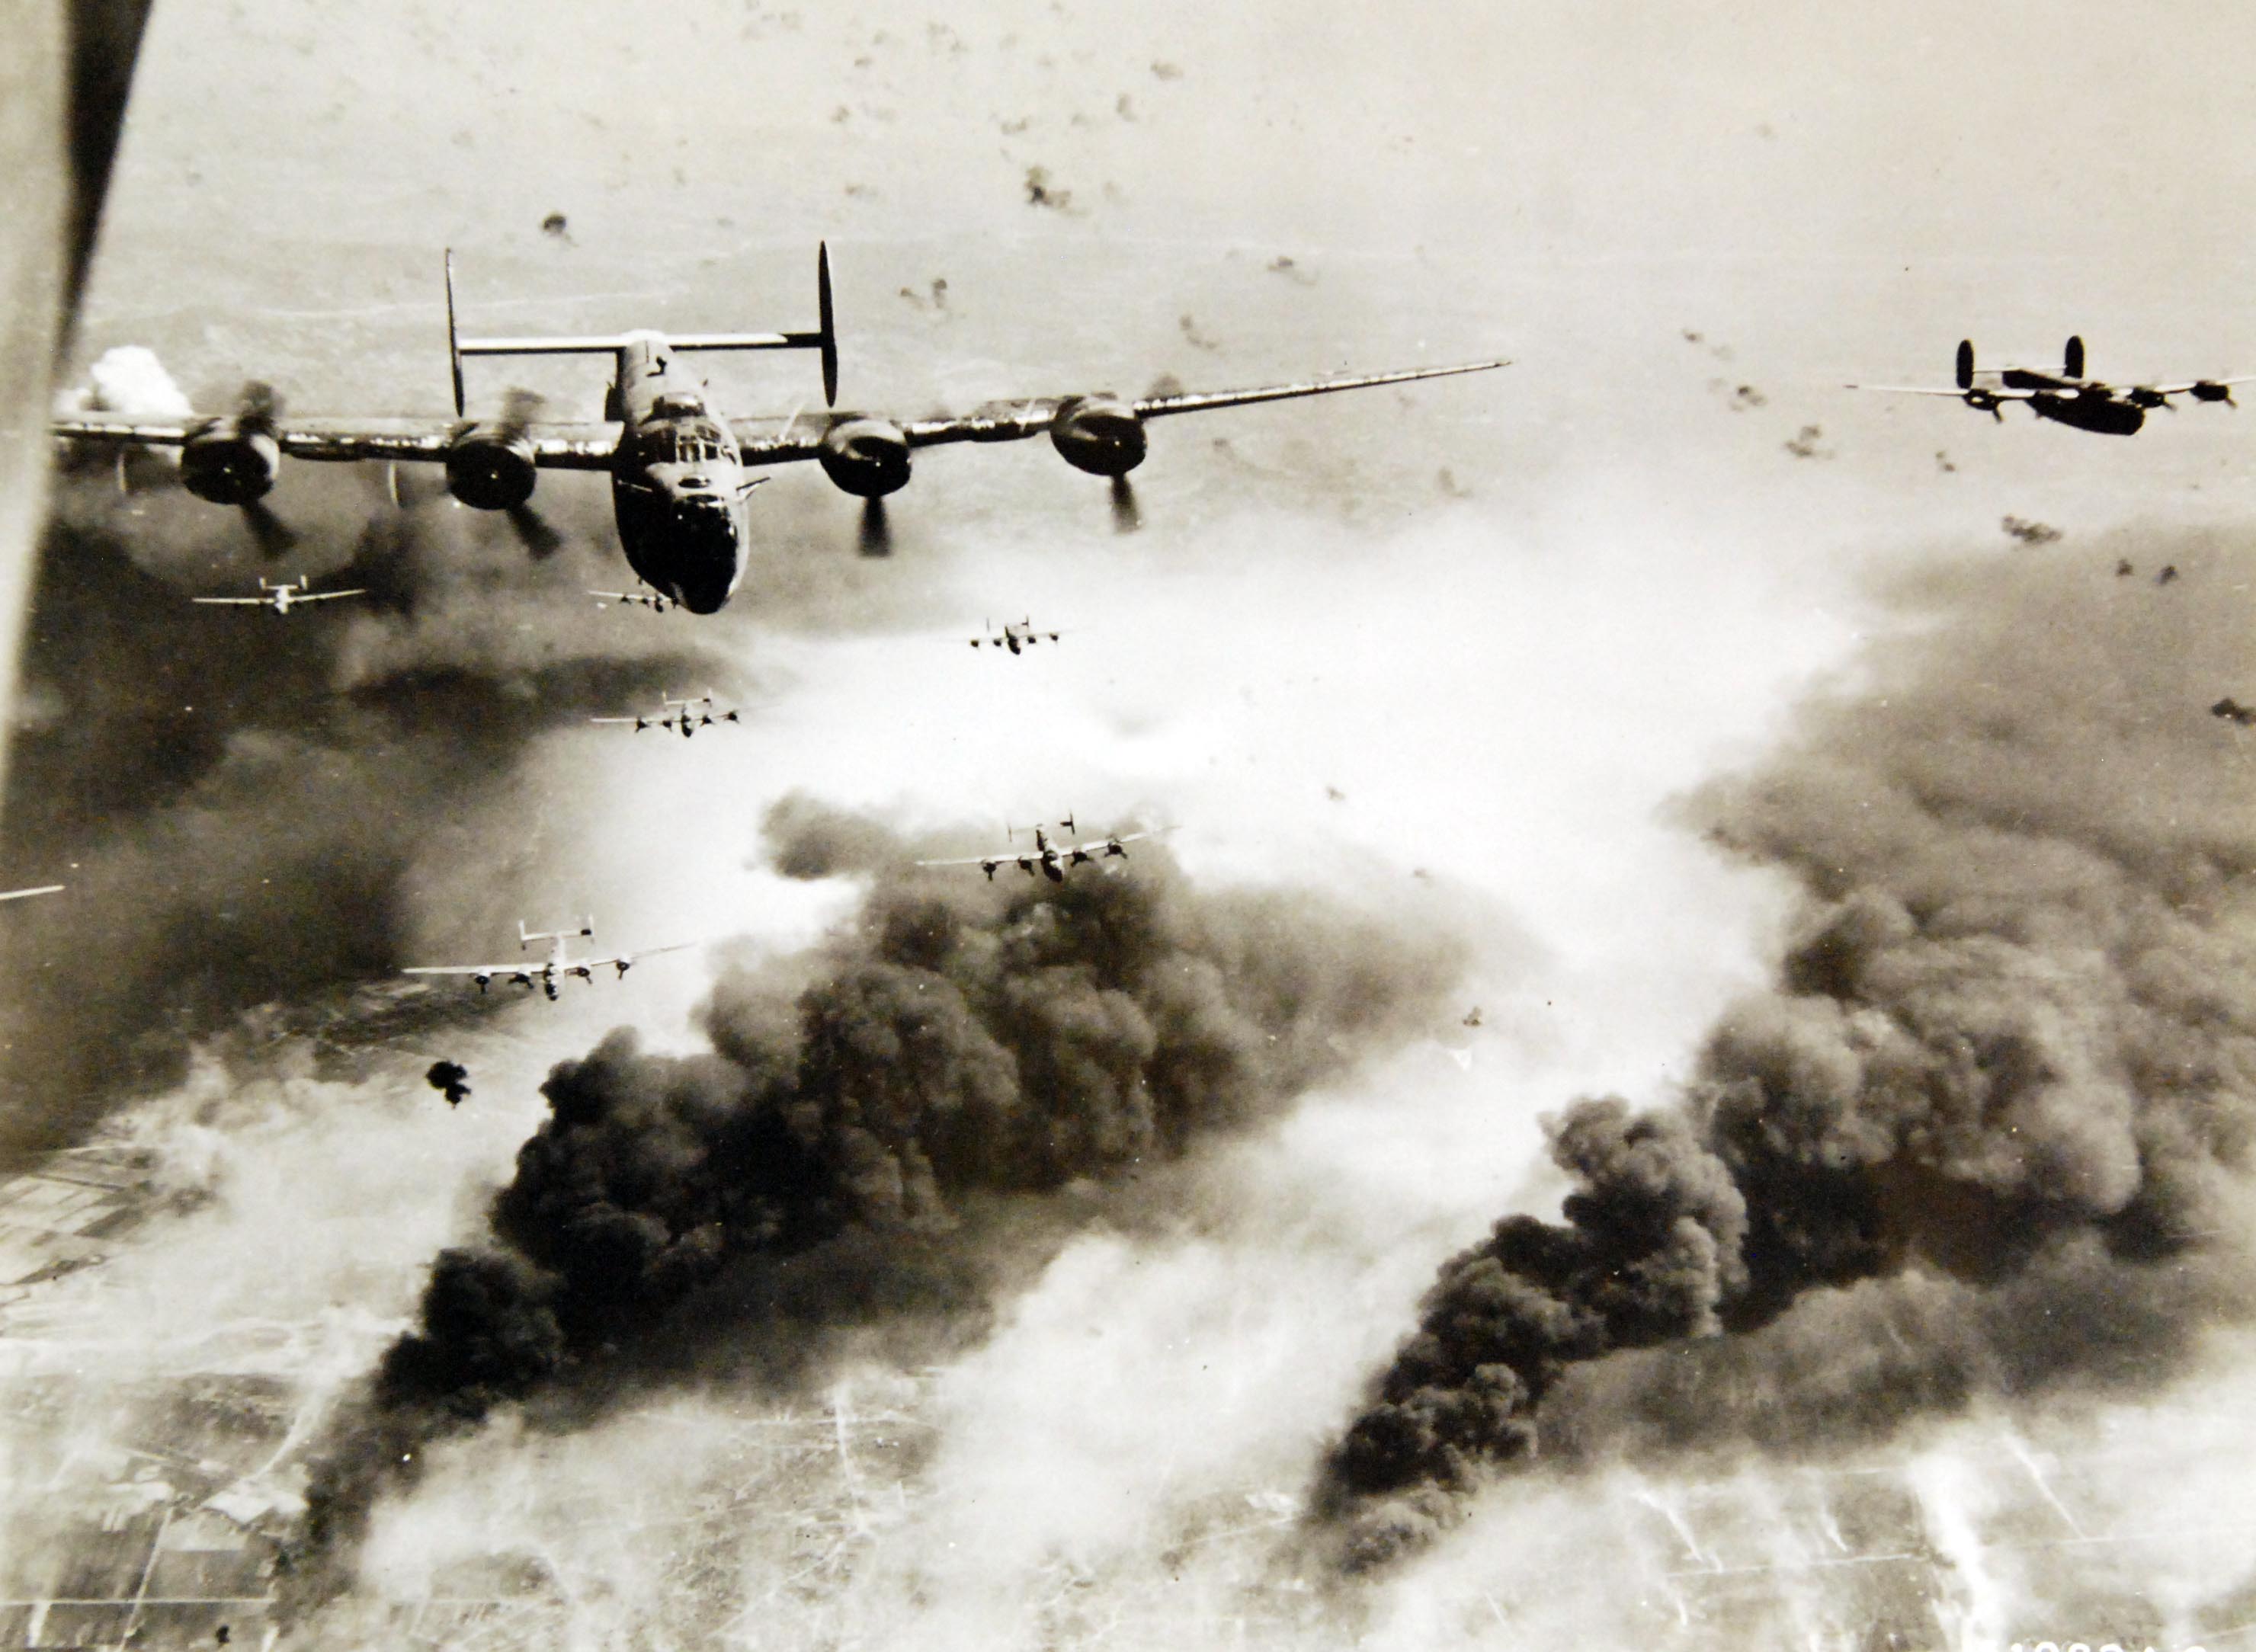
[[655, 601], [688, 716], [1051, 860], [559, 963], [281, 598], [2066, 398], [1018, 636], [678, 469]]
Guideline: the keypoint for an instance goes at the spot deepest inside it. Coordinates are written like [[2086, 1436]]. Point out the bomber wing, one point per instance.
[[556, 446], [1013, 421], [774, 441], [2192, 385], [1096, 846], [1978, 393], [624, 962]]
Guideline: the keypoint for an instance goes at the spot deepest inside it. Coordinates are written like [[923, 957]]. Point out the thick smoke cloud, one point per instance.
[[956, 1045], [1985, 1136]]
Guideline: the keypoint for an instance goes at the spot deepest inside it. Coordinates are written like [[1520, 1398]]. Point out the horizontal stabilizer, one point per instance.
[[562, 344]]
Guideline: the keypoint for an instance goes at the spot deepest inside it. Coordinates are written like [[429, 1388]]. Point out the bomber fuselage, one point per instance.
[[2075, 402], [678, 482]]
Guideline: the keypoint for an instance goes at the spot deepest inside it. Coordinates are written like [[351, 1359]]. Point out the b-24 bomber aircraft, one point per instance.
[[655, 601], [2066, 398], [559, 963], [1017, 636], [1052, 860], [688, 716], [281, 598], [678, 467]]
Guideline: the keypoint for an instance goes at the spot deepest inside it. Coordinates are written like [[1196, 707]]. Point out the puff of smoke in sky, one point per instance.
[[956, 1042], [1983, 1137], [126, 379]]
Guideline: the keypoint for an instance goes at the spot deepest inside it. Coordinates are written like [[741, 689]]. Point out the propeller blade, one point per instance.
[[260, 404], [407, 488], [519, 407], [877, 535], [1126, 517], [827, 323], [540, 541], [273, 536]]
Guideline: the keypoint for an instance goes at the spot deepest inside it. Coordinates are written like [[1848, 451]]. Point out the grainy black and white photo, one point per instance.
[[1043, 827]]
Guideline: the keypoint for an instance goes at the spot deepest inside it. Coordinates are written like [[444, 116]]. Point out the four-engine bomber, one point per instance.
[[678, 469]]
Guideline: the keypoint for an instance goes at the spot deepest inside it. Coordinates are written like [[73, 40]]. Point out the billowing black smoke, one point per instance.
[[1978, 1139], [957, 1044], [235, 796]]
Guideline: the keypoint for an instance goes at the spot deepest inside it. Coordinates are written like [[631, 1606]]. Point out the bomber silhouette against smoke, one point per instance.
[[1974, 1140], [948, 1046]]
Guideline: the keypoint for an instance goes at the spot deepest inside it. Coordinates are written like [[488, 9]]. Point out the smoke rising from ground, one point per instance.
[[956, 1043], [1985, 1136]]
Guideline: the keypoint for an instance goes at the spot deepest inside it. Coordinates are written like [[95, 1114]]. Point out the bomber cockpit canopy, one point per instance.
[[696, 441], [676, 405]]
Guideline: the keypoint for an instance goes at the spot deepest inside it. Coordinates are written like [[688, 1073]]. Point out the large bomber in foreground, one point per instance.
[[678, 469]]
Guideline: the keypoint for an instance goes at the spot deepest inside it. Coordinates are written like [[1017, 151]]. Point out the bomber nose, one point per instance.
[[703, 595]]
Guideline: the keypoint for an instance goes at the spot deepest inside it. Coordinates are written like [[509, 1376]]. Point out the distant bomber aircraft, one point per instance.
[[281, 598], [688, 716], [1016, 637], [559, 963], [677, 467], [2067, 397], [655, 601], [1051, 860]]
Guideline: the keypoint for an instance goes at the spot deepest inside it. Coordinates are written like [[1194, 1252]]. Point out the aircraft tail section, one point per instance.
[[824, 338], [526, 937]]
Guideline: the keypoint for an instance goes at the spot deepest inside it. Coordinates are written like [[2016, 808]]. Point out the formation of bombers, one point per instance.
[[682, 473]]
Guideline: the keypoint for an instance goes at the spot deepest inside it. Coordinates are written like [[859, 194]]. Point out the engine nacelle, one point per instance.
[[868, 458], [490, 468], [228, 463], [1100, 435]]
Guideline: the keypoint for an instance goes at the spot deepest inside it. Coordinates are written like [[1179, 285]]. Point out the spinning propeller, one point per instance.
[[1126, 517], [875, 536], [257, 409], [519, 408], [540, 538]]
